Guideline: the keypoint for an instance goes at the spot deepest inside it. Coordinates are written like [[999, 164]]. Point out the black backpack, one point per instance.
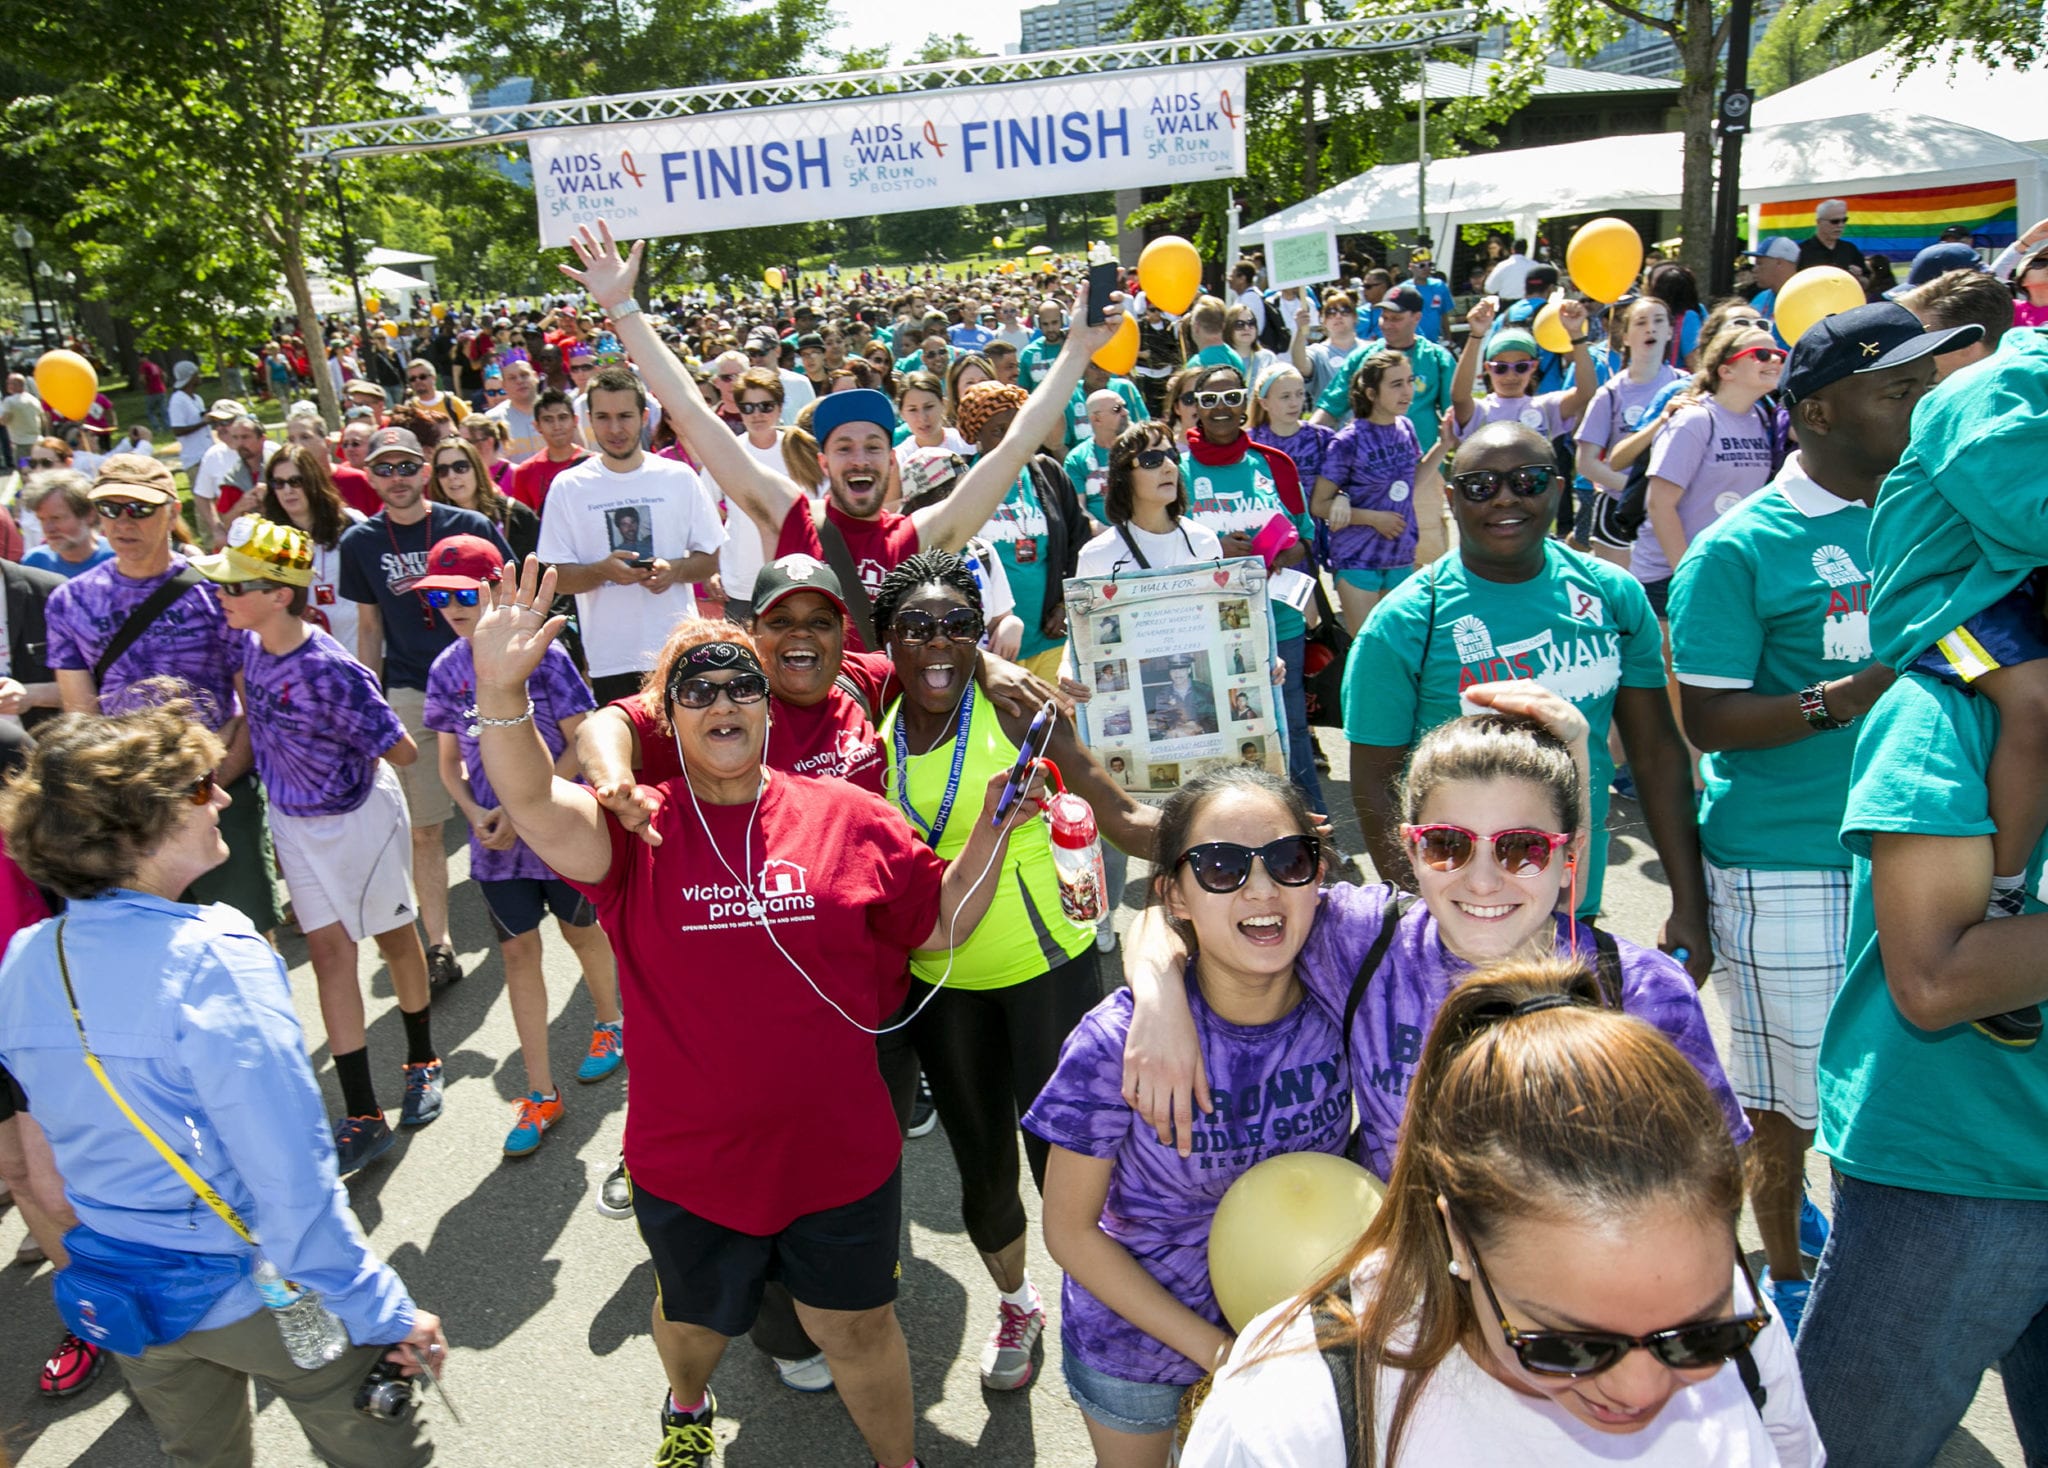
[[1634, 508]]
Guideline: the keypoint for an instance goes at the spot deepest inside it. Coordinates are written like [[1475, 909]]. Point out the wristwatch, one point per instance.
[[1813, 707]]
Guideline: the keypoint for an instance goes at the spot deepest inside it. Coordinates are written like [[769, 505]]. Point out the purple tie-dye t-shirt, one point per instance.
[[1375, 466], [189, 640], [1415, 976], [1277, 1087], [558, 692], [318, 724]]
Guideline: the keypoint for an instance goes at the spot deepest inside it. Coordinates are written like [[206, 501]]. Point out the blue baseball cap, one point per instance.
[[1868, 338], [856, 405], [1936, 261]]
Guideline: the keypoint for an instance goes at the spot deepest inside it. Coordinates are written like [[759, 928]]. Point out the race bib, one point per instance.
[[1727, 501], [1633, 417], [1532, 418], [1398, 491]]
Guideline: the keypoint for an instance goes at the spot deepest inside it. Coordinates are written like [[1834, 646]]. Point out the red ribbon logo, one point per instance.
[[1228, 111], [626, 163], [931, 135]]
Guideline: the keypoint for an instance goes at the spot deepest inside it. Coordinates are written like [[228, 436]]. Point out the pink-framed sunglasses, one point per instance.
[[1769, 356], [1520, 852]]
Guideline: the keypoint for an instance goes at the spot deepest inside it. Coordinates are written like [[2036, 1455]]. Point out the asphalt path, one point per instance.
[[546, 1304]]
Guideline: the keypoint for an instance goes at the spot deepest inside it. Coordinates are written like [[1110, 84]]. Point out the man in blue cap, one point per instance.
[[850, 531]]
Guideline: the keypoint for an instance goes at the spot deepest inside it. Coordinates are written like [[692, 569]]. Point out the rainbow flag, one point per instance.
[[1901, 224]]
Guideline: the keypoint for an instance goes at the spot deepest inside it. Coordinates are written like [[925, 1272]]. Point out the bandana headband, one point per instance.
[[712, 657]]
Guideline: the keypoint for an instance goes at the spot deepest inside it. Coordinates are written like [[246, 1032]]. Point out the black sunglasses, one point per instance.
[[1156, 458], [1528, 482], [126, 509], [35, 463], [749, 410], [1575, 1353], [1225, 866], [398, 469], [241, 588], [962, 624], [439, 596], [701, 693]]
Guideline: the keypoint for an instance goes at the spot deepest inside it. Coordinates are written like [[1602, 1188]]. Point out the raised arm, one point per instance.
[[1479, 319], [609, 276], [1585, 376], [964, 895]]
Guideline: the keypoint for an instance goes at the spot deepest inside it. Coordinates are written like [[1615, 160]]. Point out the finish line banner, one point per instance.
[[887, 155]]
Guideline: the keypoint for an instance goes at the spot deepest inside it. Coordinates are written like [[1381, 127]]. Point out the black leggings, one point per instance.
[[987, 1053]]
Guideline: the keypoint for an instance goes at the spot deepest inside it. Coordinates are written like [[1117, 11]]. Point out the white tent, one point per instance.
[[1861, 153], [2005, 101]]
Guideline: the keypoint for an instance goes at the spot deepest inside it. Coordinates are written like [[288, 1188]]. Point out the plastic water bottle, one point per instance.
[[312, 1336], [1077, 858]]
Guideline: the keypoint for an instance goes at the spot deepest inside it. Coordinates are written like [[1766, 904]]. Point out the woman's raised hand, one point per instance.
[[608, 275], [515, 629]]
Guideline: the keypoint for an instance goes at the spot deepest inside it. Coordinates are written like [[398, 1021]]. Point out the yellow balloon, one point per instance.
[[1603, 258], [1810, 296], [1283, 1226], [67, 383], [1549, 330], [996, 243], [371, 303], [1170, 274], [1119, 354], [773, 277], [439, 310], [390, 328]]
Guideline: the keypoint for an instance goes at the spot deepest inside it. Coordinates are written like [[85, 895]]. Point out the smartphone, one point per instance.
[[1103, 277], [644, 563], [1020, 772]]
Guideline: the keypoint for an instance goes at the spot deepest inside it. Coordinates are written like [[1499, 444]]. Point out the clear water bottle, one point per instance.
[[312, 1336], [1077, 856]]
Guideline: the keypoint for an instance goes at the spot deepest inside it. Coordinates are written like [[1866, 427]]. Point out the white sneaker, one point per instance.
[[809, 1375], [1105, 938], [1006, 1359]]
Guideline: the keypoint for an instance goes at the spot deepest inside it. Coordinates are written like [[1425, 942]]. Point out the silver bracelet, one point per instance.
[[478, 722], [625, 308]]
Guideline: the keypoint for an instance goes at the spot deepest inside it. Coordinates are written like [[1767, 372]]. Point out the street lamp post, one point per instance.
[[50, 284], [26, 243]]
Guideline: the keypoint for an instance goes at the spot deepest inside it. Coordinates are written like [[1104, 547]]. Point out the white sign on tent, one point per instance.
[[884, 155]]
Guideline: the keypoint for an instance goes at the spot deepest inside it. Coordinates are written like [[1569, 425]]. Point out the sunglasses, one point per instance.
[[1156, 458], [1844, 219], [238, 589], [701, 693], [279, 481], [1769, 356], [453, 466], [439, 596], [1225, 866], [1528, 482], [399, 469], [126, 509], [1231, 397], [419, 377], [1576, 1353], [582, 367], [1519, 369], [963, 624], [749, 410], [202, 789], [35, 463], [1521, 852]]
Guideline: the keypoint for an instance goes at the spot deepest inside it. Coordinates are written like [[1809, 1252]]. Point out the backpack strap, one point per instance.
[[1398, 903], [153, 606], [1130, 543], [839, 556], [1752, 1379], [1607, 967], [853, 691], [1340, 1357]]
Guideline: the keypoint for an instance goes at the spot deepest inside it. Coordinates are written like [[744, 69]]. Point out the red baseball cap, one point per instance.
[[461, 563]]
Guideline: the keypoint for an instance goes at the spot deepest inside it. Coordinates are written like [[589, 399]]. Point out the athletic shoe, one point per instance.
[[686, 1441], [359, 1141], [71, 1367], [615, 1194], [1105, 937], [923, 1115], [2018, 1029], [1006, 1359], [1813, 1228], [1788, 1299], [536, 1114], [442, 967], [809, 1375], [607, 1053], [422, 1094], [1624, 783], [30, 1253]]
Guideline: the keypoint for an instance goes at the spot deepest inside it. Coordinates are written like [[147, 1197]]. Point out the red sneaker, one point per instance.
[[71, 1367]]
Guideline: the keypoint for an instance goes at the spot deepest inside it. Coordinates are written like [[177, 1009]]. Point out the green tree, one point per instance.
[[946, 48], [1799, 44]]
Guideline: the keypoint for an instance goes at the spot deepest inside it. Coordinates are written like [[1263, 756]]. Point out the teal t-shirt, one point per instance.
[[1243, 497], [1434, 367], [1770, 597], [1088, 469], [1581, 627], [1034, 363], [1077, 409], [1017, 532], [1948, 1111]]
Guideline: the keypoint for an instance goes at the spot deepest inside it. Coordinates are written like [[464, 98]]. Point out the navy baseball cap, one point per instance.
[[1869, 338], [857, 405], [1402, 298], [1936, 261]]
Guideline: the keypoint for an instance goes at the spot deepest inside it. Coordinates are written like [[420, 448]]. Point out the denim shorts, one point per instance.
[[1374, 578], [1122, 1406]]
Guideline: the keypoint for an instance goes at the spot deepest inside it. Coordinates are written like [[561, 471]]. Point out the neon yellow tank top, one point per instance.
[[1025, 932]]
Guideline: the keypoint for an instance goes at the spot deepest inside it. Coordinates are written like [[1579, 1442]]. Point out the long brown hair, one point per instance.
[[1564, 1111], [490, 500], [323, 500]]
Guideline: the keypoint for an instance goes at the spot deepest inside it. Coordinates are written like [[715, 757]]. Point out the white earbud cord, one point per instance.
[[759, 910]]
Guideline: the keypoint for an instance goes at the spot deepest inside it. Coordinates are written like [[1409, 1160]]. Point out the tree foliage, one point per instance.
[[1802, 41]]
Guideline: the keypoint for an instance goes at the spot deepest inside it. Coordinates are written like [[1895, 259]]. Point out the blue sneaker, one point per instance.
[[607, 1053], [1813, 1228], [536, 1114], [1624, 783], [359, 1141], [422, 1094], [1788, 1299]]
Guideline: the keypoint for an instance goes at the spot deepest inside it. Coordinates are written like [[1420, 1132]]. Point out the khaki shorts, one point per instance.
[[426, 798]]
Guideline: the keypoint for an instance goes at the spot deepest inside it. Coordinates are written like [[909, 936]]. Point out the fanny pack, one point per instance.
[[127, 1297]]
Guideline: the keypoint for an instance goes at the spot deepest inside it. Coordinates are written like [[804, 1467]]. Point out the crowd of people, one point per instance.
[[704, 616]]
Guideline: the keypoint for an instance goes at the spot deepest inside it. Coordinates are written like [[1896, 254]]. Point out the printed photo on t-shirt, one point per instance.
[[631, 528]]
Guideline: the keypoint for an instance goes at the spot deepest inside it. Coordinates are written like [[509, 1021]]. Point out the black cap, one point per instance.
[[1545, 275], [791, 574], [1868, 338], [810, 339], [1402, 298]]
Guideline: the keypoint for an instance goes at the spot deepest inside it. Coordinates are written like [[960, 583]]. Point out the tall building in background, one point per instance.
[[1065, 24], [1641, 51]]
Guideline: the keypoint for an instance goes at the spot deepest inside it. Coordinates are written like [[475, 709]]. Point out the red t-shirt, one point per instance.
[[832, 739], [356, 490], [533, 478], [751, 1101], [877, 546]]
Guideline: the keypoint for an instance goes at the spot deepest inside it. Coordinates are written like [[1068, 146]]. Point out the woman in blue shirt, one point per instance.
[[188, 1010]]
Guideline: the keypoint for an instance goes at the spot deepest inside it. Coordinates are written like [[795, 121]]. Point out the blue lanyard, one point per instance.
[[937, 827]]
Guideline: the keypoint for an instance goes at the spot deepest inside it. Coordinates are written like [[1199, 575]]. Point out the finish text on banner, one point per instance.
[[885, 155]]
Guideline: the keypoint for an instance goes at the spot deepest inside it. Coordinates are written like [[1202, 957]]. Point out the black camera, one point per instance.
[[386, 1393]]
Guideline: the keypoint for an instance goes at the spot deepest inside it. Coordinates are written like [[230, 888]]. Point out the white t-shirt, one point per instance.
[[1256, 303], [952, 441], [796, 391], [187, 409], [1107, 555], [741, 557], [525, 441], [1280, 1411], [221, 465], [671, 517], [23, 416], [324, 596]]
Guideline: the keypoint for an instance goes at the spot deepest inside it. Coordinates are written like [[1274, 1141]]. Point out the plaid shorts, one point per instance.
[[1780, 937]]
